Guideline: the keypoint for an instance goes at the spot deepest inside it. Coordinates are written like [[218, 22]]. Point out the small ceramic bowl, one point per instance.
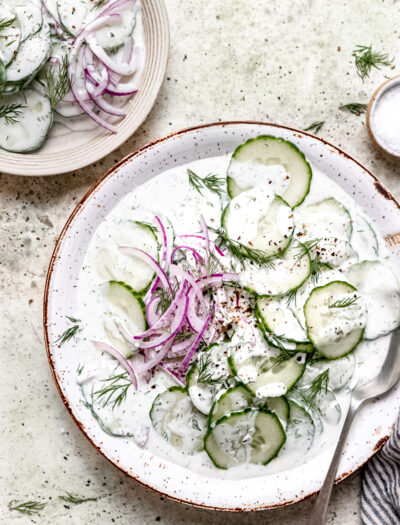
[[381, 92]]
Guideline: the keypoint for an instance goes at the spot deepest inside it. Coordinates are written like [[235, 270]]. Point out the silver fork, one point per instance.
[[385, 380]]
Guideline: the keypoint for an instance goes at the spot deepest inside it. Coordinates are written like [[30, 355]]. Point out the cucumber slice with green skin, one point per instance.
[[324, 407], [114, 35], [253, 436], [278, 319], [340, 372], [33, 123], [10, 37], [29, 16], [379, 288], [235, 399], [265, 376], [176, 419], [364, 238], [287, 273], [280, 406], [32, 54], [207, 374], [334, 332], [125, 309], [300, 433], [327, 218], [114, 265], [252, 159], [259, 220]]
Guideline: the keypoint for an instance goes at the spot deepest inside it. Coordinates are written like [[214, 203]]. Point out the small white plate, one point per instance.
[[372, 425], [75, 150]]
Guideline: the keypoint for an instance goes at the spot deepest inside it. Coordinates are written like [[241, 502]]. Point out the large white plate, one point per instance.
[[75, 150], [372, 425]]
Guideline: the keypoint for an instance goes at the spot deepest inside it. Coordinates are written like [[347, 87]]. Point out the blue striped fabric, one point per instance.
[[380, 495]]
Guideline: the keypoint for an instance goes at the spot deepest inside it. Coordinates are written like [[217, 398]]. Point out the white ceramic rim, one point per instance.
[[156, 36], [373, 424]]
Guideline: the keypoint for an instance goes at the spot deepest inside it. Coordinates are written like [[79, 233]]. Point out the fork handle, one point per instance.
[[320, 509]]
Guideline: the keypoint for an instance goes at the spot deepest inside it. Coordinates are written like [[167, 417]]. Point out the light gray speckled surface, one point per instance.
[[288, 62]]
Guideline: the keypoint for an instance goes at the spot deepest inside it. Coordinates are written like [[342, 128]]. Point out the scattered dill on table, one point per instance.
[[366, 59]]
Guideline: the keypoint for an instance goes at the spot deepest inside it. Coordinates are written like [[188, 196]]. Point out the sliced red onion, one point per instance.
[[130, 250], [122, 69], [122, 90], [53, 60], [221, 253], [152, 316], [103, 347], [176, 271], [103, 104], [181, 346], [195, 345], [156, 358], [197, 257]]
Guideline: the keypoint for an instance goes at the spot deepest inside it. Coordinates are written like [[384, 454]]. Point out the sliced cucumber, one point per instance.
[[177, 420], [300, 433], [29, 16], [211, 370], [327, 218], [10, 36], [234, 399], [125, 312], [334, 331], [285, 274], [252, 159], [265, 376], [334, 252], [114, 265], [32, 125], [259, 220], [73, 14], [281, 407], [364, 238], [115, 34], [279, 320], [380, 290], [323, 407], [340, 371], [253, 436], [31, 55]]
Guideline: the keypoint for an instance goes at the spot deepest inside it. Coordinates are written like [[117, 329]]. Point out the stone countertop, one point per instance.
[[286, 62]]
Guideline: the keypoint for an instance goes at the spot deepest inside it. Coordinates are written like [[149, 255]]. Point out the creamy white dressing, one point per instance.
[[170, 195]]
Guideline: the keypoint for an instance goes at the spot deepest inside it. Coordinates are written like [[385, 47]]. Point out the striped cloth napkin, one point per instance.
[[380, 494]]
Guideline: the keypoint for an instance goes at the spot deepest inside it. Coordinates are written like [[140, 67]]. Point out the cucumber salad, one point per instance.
[[65, 62], [227, 307]]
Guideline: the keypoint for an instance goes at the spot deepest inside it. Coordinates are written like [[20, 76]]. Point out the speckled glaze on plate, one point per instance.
[[75, 150], [372, 425]]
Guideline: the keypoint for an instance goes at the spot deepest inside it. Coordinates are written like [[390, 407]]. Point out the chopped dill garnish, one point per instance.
[[211, 182], [4, 23], [315, 126], [28, 507], [69, 498], [99, 3], [241, 252], [344, 303], [183, 336], [69, 332], [115, 390], [166, 297], [309, 395], [195, 423], [366, 59], [285, 355], [147, 225], [316, 266], [56, 82], [204, 375], [10, 112], [355, 108], [291, 296]]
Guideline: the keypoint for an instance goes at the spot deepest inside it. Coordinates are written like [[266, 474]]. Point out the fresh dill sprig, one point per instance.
[[204, 375], [211, 182], [4, 23], [165, 298], [183, 336], [69, 498], [99, 3], [291, 296], [241, 252], [285, 354], [366, 59], [70, 332], [115, 390], [195, 423], [315, 126], [28, 507], [56, 82], [344, 303], [309, 395], [316, 266], [355, 108], [147, 225], [10, 112]]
